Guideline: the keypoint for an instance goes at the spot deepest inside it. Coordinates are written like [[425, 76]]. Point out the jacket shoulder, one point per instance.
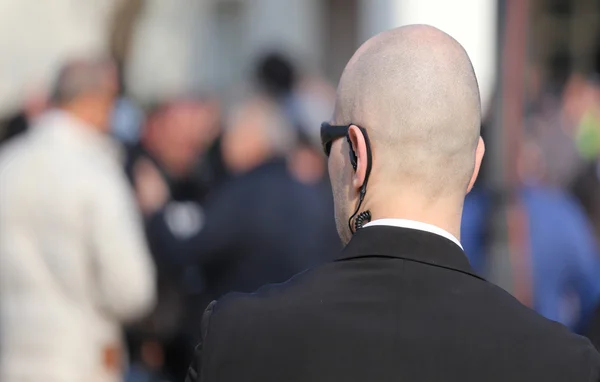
[[579, 350], [241, 310], [236, 323], [522, 334]]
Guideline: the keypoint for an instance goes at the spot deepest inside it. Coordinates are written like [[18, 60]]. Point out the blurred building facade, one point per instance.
[[37, 37], [214, 43], [182, 46], [211, 44]]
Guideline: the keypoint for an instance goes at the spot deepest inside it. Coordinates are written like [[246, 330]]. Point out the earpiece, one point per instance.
[[352, 154], [361, 219], [365, 216]]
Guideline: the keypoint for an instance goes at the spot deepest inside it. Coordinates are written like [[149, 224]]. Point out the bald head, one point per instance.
[[415, 92]]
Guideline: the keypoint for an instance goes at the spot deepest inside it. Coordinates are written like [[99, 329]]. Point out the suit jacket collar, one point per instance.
[[408, 244], [413, 224]]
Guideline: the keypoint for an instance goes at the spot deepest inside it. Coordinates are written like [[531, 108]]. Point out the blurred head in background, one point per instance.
[[582, 110], [179, 132], [276, 75], [257, 133], [306, 162], [581, 95], [281, 120], [531, 163], [87, 89]]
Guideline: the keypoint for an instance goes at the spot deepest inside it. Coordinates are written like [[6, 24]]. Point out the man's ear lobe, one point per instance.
[[479, 153]]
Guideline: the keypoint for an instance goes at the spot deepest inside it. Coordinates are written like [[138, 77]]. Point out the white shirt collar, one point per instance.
[[412, 224]]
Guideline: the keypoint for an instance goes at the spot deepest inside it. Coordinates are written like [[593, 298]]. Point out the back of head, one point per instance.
[[414, 90], [258, 132], [87, 88]]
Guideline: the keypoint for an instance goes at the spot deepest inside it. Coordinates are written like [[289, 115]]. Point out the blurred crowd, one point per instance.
[[118, 216], [551, 260]]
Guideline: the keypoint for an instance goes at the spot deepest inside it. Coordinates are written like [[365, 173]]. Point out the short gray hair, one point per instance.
[[78, 77]]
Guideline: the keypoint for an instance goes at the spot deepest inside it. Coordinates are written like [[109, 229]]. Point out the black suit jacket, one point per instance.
[[398, 305]]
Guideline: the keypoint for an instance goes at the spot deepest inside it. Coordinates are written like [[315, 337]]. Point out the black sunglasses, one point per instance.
[[330, 133]]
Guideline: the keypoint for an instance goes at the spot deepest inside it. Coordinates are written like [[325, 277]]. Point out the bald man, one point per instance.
[[401, 302]]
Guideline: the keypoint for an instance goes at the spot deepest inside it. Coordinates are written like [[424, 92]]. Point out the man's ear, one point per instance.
[[359, 146], [479, 152]]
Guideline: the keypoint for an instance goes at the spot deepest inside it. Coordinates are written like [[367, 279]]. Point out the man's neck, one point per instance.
[[442, 213], [79, 114], [416, 225]]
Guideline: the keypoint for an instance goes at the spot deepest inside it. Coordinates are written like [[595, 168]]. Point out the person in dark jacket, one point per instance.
[[400, 302], [167, 172], [559, 268], [266, 223], [271, 218], [263, 227]]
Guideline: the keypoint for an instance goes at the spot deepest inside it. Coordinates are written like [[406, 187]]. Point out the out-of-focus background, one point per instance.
[[217, 114]]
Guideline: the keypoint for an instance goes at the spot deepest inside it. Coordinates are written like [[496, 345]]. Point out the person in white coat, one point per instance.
[[74, 265]]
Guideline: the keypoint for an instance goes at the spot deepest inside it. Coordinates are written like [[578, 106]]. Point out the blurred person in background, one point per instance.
[[276, 78], [174, 140], [270, 220], [264, 122], [169, 172], [257, 131], [560, 249], [74, 265], [304, 99], [267, 222], [586, 185], [557, 107], [19, 122], [582, 107]]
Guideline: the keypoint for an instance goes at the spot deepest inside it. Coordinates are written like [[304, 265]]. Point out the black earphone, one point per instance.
[[352, 154], [365, 216]]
